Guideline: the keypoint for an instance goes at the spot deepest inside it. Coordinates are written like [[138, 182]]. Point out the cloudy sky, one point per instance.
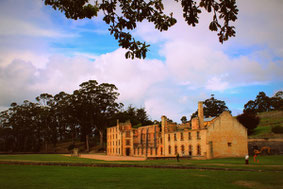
[[42, 51]]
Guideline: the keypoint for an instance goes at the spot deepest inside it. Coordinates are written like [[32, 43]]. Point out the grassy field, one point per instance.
[[28, 176], [265, 162], [267, 121]]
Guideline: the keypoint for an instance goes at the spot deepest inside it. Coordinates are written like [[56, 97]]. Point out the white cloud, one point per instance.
[[195, 63], [11, 27], [216, 84]]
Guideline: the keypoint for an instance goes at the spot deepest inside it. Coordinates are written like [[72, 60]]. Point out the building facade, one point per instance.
[[202, 138]]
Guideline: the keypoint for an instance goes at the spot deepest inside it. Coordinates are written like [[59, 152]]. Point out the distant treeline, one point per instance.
[[82, 115]]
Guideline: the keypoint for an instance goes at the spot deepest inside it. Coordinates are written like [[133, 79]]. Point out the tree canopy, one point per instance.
[[83, 115], [212, 107], [122, 16], [249, 120], [263, 103]]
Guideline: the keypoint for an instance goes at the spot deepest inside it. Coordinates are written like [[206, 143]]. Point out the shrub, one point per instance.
[[71, 147], [249, 120], [277, 129]]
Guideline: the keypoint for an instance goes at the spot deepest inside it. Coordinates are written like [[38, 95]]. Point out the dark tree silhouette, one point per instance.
[[131, 12], [263, 103], [249, 120], [184, 119]]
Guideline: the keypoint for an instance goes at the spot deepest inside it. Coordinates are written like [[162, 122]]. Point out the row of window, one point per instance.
[[113, 129], [182, 150], [113, 143], [112, 136], [128, 142], [151, 151], [112, 151], [182, 136]]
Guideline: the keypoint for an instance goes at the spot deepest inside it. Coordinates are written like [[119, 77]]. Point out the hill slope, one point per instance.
[[267, 121]]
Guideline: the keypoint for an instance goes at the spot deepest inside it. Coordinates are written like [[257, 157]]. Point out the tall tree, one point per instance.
[[123, 16], [263, 103], [93, 105], [277, 101], [212, 107], [184, 119]]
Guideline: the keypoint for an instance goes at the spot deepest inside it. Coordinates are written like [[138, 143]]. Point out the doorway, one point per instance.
[[128, 151]]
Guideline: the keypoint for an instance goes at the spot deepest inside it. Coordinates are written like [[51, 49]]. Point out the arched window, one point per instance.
[[168, 137], [182, 136], [183, 149], [198, 136], [198, 150], [175, 137], [169, 149], [190, 136], [176, 149], [190, 150]]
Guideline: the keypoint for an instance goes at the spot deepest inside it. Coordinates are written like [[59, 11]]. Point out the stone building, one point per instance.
[[201, 138]]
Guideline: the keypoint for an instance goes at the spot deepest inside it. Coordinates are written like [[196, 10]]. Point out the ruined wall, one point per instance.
[[187, 143], [226, 137], [276, 146]]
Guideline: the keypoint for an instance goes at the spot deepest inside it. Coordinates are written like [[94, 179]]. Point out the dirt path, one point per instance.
[[110, 158]]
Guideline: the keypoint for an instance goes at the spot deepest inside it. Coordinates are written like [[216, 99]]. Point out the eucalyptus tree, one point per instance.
[[263, 103], [212, 107], [93, 104], [46, 119]]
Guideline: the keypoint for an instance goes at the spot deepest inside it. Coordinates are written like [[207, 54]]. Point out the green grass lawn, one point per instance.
[[265, 162], [28, 176]]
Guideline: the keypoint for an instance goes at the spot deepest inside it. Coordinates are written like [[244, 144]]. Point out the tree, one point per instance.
[[137, 116], [212, 107], [133, 12], [277, 101], [249, 120], [184, 119], [263, 103], [93, 105]]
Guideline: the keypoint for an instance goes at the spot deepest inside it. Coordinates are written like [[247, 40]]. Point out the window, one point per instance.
[[190, 150], [150, 151], [183, 149], [176, 149], [229, 144], [198, 136], [175, 137], [182, 136], [161, 151], [128, 134], [198, 150], [190, 136], [127, 142], [168, 137], [169, 149]]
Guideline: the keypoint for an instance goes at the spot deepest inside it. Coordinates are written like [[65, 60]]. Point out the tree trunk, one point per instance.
[[101, 138], [46, 146], [87, 144]]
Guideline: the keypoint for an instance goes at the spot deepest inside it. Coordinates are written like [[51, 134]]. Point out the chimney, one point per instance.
[[163, 123], [200, 114]]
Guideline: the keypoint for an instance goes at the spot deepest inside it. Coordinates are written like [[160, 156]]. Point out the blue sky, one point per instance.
[[42, 51]]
